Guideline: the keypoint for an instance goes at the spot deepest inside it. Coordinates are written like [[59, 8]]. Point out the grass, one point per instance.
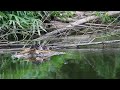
[[104, 17], [21, 22], [63, 14], [26, 23], [23, 25]]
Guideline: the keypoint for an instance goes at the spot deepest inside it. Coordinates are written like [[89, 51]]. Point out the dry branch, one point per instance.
[[72, 25], [81, 44], [8, 46], [103, 25], [10, 50]]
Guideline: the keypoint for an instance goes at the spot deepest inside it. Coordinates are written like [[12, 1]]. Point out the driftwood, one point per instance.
[[81, 44], [97, 26], [10, 50], [72, 25], [9, 46], [60, 46], [72, 39], [103, 25]]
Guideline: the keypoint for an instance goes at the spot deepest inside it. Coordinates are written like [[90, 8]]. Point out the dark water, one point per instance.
[[93, 64], [76, 64]]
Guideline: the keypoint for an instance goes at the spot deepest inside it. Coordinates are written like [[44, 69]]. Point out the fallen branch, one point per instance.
[[9, 46], [81, 44], [56, 46], [95, 27], [72, 25], [103, 25], [73, 39], [10, 50]]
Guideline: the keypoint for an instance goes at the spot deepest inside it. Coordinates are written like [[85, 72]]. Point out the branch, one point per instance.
[[8, 46], [92, 43], [72, 25], [10, 50]]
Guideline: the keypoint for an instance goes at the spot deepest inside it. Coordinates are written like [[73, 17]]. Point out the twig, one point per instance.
[[103, 25], [81, 44], [72, 25], [12, 45]]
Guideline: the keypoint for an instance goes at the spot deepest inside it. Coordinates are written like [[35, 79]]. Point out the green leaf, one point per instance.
[[2, 15]]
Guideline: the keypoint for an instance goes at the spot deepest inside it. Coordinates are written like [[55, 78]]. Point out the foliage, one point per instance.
[[23, 22], [71, 65], [104, 17], [63, 14], [26, 23]]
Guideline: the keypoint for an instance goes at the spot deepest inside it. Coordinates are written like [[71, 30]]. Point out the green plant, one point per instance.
[[104, 17], [27, 22], [63, 14]]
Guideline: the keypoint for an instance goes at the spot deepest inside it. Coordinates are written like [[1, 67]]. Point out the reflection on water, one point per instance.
[[104, 63], [76, 64]]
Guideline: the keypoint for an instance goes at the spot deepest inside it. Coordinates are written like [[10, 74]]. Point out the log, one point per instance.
[[103, 25], [72, 25], [81, 44], [10, 50], [8, 46], [60, 46]]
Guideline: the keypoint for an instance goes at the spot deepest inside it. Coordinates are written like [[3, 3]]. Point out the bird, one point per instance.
[[36, 53]]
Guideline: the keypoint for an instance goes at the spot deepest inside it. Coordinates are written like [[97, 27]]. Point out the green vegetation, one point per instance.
[[21, 20], [63, 14], [23, 25], [104, 17]]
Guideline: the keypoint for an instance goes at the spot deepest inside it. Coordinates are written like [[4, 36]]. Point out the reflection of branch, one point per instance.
[[90, 64], [72, 25]]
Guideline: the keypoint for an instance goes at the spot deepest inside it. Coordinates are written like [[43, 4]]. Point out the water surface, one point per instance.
[[75, 64]]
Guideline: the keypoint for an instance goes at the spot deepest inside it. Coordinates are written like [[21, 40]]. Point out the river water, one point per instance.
[[93, 64], [75, 64]]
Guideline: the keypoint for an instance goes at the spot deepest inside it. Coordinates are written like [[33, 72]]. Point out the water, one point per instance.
[[76, 64], [94, 64]]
